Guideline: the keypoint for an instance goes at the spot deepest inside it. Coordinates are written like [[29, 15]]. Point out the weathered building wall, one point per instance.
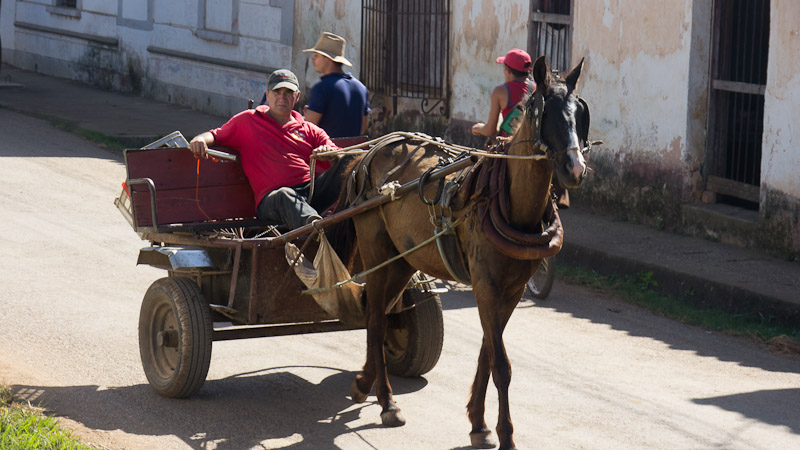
[[636, 80], [481, 31], [208, 54], [213, 55], [780, 160], [647, 81], [311, 18]]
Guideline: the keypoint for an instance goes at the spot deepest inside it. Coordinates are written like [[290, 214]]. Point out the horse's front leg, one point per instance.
[[480, 436], [495, 306], [501, 374]]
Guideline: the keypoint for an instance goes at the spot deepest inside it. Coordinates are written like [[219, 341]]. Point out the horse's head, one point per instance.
[[564, 124]]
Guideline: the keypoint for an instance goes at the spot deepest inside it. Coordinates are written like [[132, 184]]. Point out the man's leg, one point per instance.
[[286, 206], [328, 185]]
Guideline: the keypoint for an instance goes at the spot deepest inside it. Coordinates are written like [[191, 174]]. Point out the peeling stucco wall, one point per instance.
[[636, 79], [647, 80], [482, 30], [636, 74], [311, 18], [780, 155], [780, 160], [244, 37]]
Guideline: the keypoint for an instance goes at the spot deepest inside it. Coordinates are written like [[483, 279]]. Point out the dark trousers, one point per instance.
[[291, 206]]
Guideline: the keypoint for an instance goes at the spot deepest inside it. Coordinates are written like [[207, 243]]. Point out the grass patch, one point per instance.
[[641, 290], [98, 138], [24, 427]]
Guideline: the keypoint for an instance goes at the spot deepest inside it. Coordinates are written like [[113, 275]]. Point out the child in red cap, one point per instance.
[[516, 68]]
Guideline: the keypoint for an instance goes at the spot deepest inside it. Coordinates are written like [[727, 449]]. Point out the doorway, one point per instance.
[[736, 112]]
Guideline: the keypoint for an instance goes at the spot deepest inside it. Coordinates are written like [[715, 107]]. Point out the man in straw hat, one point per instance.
[[275, 144], [339, 103]]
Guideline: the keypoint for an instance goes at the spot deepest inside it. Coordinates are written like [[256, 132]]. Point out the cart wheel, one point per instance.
[[541, 282], [175, 337], [415, 336]]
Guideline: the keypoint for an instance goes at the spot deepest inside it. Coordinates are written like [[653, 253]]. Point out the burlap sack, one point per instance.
[[343, 302]]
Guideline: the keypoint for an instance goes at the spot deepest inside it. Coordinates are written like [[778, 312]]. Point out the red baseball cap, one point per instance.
[[516, 59]]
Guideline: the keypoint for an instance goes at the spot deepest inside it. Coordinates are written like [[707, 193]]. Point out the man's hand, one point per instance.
[[199, 144], [326, 153], [199, 148]]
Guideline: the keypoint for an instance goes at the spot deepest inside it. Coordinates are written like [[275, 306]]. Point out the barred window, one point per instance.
[[551, 32], [405, 50]]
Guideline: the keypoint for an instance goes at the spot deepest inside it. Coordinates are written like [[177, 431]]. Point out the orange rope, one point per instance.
[[197, 191]]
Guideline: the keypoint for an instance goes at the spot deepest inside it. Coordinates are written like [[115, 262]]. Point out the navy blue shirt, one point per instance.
[[343, 102]]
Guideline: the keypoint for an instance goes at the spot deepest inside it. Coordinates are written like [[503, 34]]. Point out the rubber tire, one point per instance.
[[541, 282], [414, 337], [175, 304]]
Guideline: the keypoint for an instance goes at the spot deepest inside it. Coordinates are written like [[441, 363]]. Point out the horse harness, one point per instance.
[[480, 187]]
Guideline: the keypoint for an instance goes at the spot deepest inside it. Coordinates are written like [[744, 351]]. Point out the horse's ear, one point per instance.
[[572, 78], [540, 72]]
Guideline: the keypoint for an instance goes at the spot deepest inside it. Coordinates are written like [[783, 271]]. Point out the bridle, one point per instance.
[[535, 108]]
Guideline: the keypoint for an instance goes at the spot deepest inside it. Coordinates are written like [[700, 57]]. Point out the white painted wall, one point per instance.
[[341, 17], [252, 32], [636, 74], [780, 160], [482, 30]]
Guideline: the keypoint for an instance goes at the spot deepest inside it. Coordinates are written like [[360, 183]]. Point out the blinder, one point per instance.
[[535, 108], [583, 121]]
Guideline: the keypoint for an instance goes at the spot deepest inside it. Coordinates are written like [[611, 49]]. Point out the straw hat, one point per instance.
[[331, 46]]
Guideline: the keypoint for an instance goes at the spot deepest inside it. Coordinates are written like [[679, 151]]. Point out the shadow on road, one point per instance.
[[599, 308], [772, 406], [272, 408]]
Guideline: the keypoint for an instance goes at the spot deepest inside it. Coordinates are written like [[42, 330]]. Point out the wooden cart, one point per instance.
[[226, 281]]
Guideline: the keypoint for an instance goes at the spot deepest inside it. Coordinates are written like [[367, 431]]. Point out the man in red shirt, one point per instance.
[[275, 144]]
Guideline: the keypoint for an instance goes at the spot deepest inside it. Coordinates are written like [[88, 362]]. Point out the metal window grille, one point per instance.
[[405, 51], [739, 78], [551, 32]]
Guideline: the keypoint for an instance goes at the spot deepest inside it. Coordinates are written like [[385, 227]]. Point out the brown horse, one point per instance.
[[554, 127]]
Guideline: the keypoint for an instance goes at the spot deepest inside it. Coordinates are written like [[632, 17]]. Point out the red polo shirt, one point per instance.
[[272, 155]]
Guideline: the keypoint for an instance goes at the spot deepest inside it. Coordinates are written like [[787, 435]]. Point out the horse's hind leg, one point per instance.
[[382, 286]]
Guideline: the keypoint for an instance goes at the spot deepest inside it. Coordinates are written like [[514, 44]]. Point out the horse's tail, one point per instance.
[[342, 235]]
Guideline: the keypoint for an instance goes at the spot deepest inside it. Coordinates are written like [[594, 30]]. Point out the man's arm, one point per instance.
[[497, 100], [364, 122], [312, 116], [200, 143]]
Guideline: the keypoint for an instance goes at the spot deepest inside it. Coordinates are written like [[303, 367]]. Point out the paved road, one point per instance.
[[590, 372]]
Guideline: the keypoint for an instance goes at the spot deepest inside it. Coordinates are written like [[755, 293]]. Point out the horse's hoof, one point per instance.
[[483, 439], [356, 394], [393, 418]]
